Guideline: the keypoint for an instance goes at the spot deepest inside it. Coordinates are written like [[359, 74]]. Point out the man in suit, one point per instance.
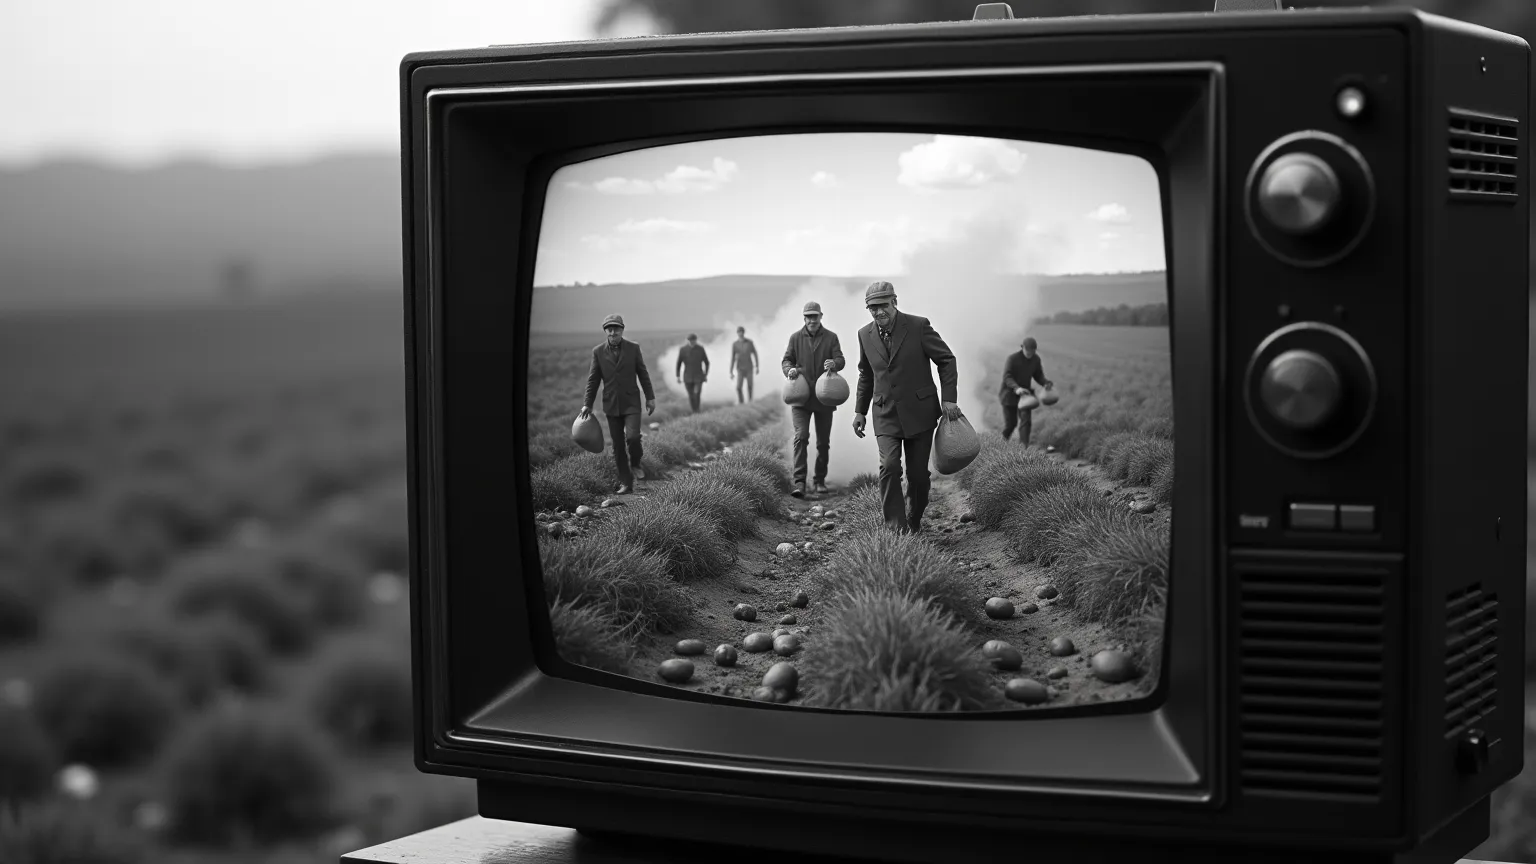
[[812, 351], [618, 366], [743, 363], [693, 369], [1022, 368], [894, 352]]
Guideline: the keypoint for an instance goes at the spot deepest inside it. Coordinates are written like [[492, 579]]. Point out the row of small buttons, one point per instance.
[[1354, 518]]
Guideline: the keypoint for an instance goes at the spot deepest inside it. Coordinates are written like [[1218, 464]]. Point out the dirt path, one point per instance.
[[768, 582]]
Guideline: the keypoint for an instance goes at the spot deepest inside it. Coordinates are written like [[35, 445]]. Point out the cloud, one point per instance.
[[654, 227], [683, 178], [804, 236], [1113, 213], [1109, 235], [953, 162], [824, 180]]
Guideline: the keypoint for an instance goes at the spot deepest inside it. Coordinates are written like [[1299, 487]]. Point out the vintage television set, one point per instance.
[[1344, 219]]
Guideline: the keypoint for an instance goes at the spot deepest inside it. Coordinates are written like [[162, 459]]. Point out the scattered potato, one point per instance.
[[786, 645], [999, 608], [1047, 592], [744, 612], [801, 600], [1114, 667], [725, 655], [787, 620], [690, 647], [676, 671], [757, 643], [782, 676], [1002, 655], [1026, 690], [1061, 646]]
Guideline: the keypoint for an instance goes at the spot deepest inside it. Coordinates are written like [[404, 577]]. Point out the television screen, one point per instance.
[[863, 421]]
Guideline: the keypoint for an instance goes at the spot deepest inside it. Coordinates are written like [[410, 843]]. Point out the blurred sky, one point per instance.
[[845, 205], [138, 83]]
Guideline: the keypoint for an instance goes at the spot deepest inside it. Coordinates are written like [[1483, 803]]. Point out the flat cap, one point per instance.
[[879, 291], [611, 320], [811, 308]]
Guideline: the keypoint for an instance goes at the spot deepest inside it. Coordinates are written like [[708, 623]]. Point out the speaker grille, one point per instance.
[[1471, 655], [1311, 671], [1484, 155]]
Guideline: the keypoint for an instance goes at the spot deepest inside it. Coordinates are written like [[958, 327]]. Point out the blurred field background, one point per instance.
[[203, 632]]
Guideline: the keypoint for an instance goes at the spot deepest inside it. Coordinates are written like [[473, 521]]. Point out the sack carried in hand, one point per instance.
[[955, 445], [588, 433], [1049, 398], [832, 389], [1028, 401], [796, 391]]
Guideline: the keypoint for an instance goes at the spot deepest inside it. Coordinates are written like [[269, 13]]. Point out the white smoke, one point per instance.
[[966, 284]]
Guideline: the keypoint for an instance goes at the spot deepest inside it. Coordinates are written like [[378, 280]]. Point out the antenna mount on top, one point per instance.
[[997, 12]]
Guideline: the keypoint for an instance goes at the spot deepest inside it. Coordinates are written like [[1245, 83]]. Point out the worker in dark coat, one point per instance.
[[812, 351], [618, 366], [693, 370], [895, 350], [1020, 373], [743, 363]]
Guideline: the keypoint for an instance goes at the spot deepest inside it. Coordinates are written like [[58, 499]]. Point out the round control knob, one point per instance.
[[1299, 193], [1301, 389]]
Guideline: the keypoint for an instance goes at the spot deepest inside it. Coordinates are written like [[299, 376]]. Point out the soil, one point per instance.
[[769, 583]]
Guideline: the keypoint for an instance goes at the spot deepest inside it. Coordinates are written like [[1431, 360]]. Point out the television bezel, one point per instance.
[[1165, 747]]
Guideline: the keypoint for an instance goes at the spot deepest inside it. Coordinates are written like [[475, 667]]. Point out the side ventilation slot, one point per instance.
[[1484, 156], [1471, 658], [1312, 670]]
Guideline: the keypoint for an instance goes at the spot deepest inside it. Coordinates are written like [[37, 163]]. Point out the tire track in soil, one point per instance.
[[761, 578]]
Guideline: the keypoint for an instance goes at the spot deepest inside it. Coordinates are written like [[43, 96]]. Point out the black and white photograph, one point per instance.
[[869, 421]]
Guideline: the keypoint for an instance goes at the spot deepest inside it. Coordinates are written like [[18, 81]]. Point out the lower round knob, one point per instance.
[[1301, 389]]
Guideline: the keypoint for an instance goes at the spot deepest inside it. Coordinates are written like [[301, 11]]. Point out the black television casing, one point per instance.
[[1338, 695]]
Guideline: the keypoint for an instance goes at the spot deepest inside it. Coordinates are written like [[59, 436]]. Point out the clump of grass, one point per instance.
[[1119, 574], [176, 511], [1071, 536], [255, 598], [28, 759], [730, 508], [586, 637], [881, 651], [902, 564], [1069, 436], [1038, 517], [1010, 478], [1160, 426], [565, 483], [1104, 450], [862, 480], [202, 657], [1142, 458], [363, 697], [686, 537], [327, 580], [249, 776], [1162, 483], [63, 832], [763, 459], [623, 582], [38, 477], [761, 490], [863, 513], [104, 711], [21, 607]]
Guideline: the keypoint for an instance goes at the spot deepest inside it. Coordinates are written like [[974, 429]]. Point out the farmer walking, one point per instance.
[[1020, 373], [894, 352], [618, 366], [743, 363], [813, 350], [693, 369]]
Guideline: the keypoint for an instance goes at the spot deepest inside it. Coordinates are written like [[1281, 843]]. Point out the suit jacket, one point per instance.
[[744, 354], [1018, 372], [899, 381], [622, 380], [808, 354], [692, 363]]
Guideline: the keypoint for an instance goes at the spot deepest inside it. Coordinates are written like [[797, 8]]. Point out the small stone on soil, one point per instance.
[[690, 647], [1047, 592], [967, 517], [725, 655], [1026, 690], [801, 600], [787, 619], [782, 676], [1114, 667], [744, 612], [1029, 608], [786, 645], [1057, 672], [999, 608], [1061, 646], [676, 671]]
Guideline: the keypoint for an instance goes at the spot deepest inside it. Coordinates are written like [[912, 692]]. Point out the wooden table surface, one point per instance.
[[478, 840]]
